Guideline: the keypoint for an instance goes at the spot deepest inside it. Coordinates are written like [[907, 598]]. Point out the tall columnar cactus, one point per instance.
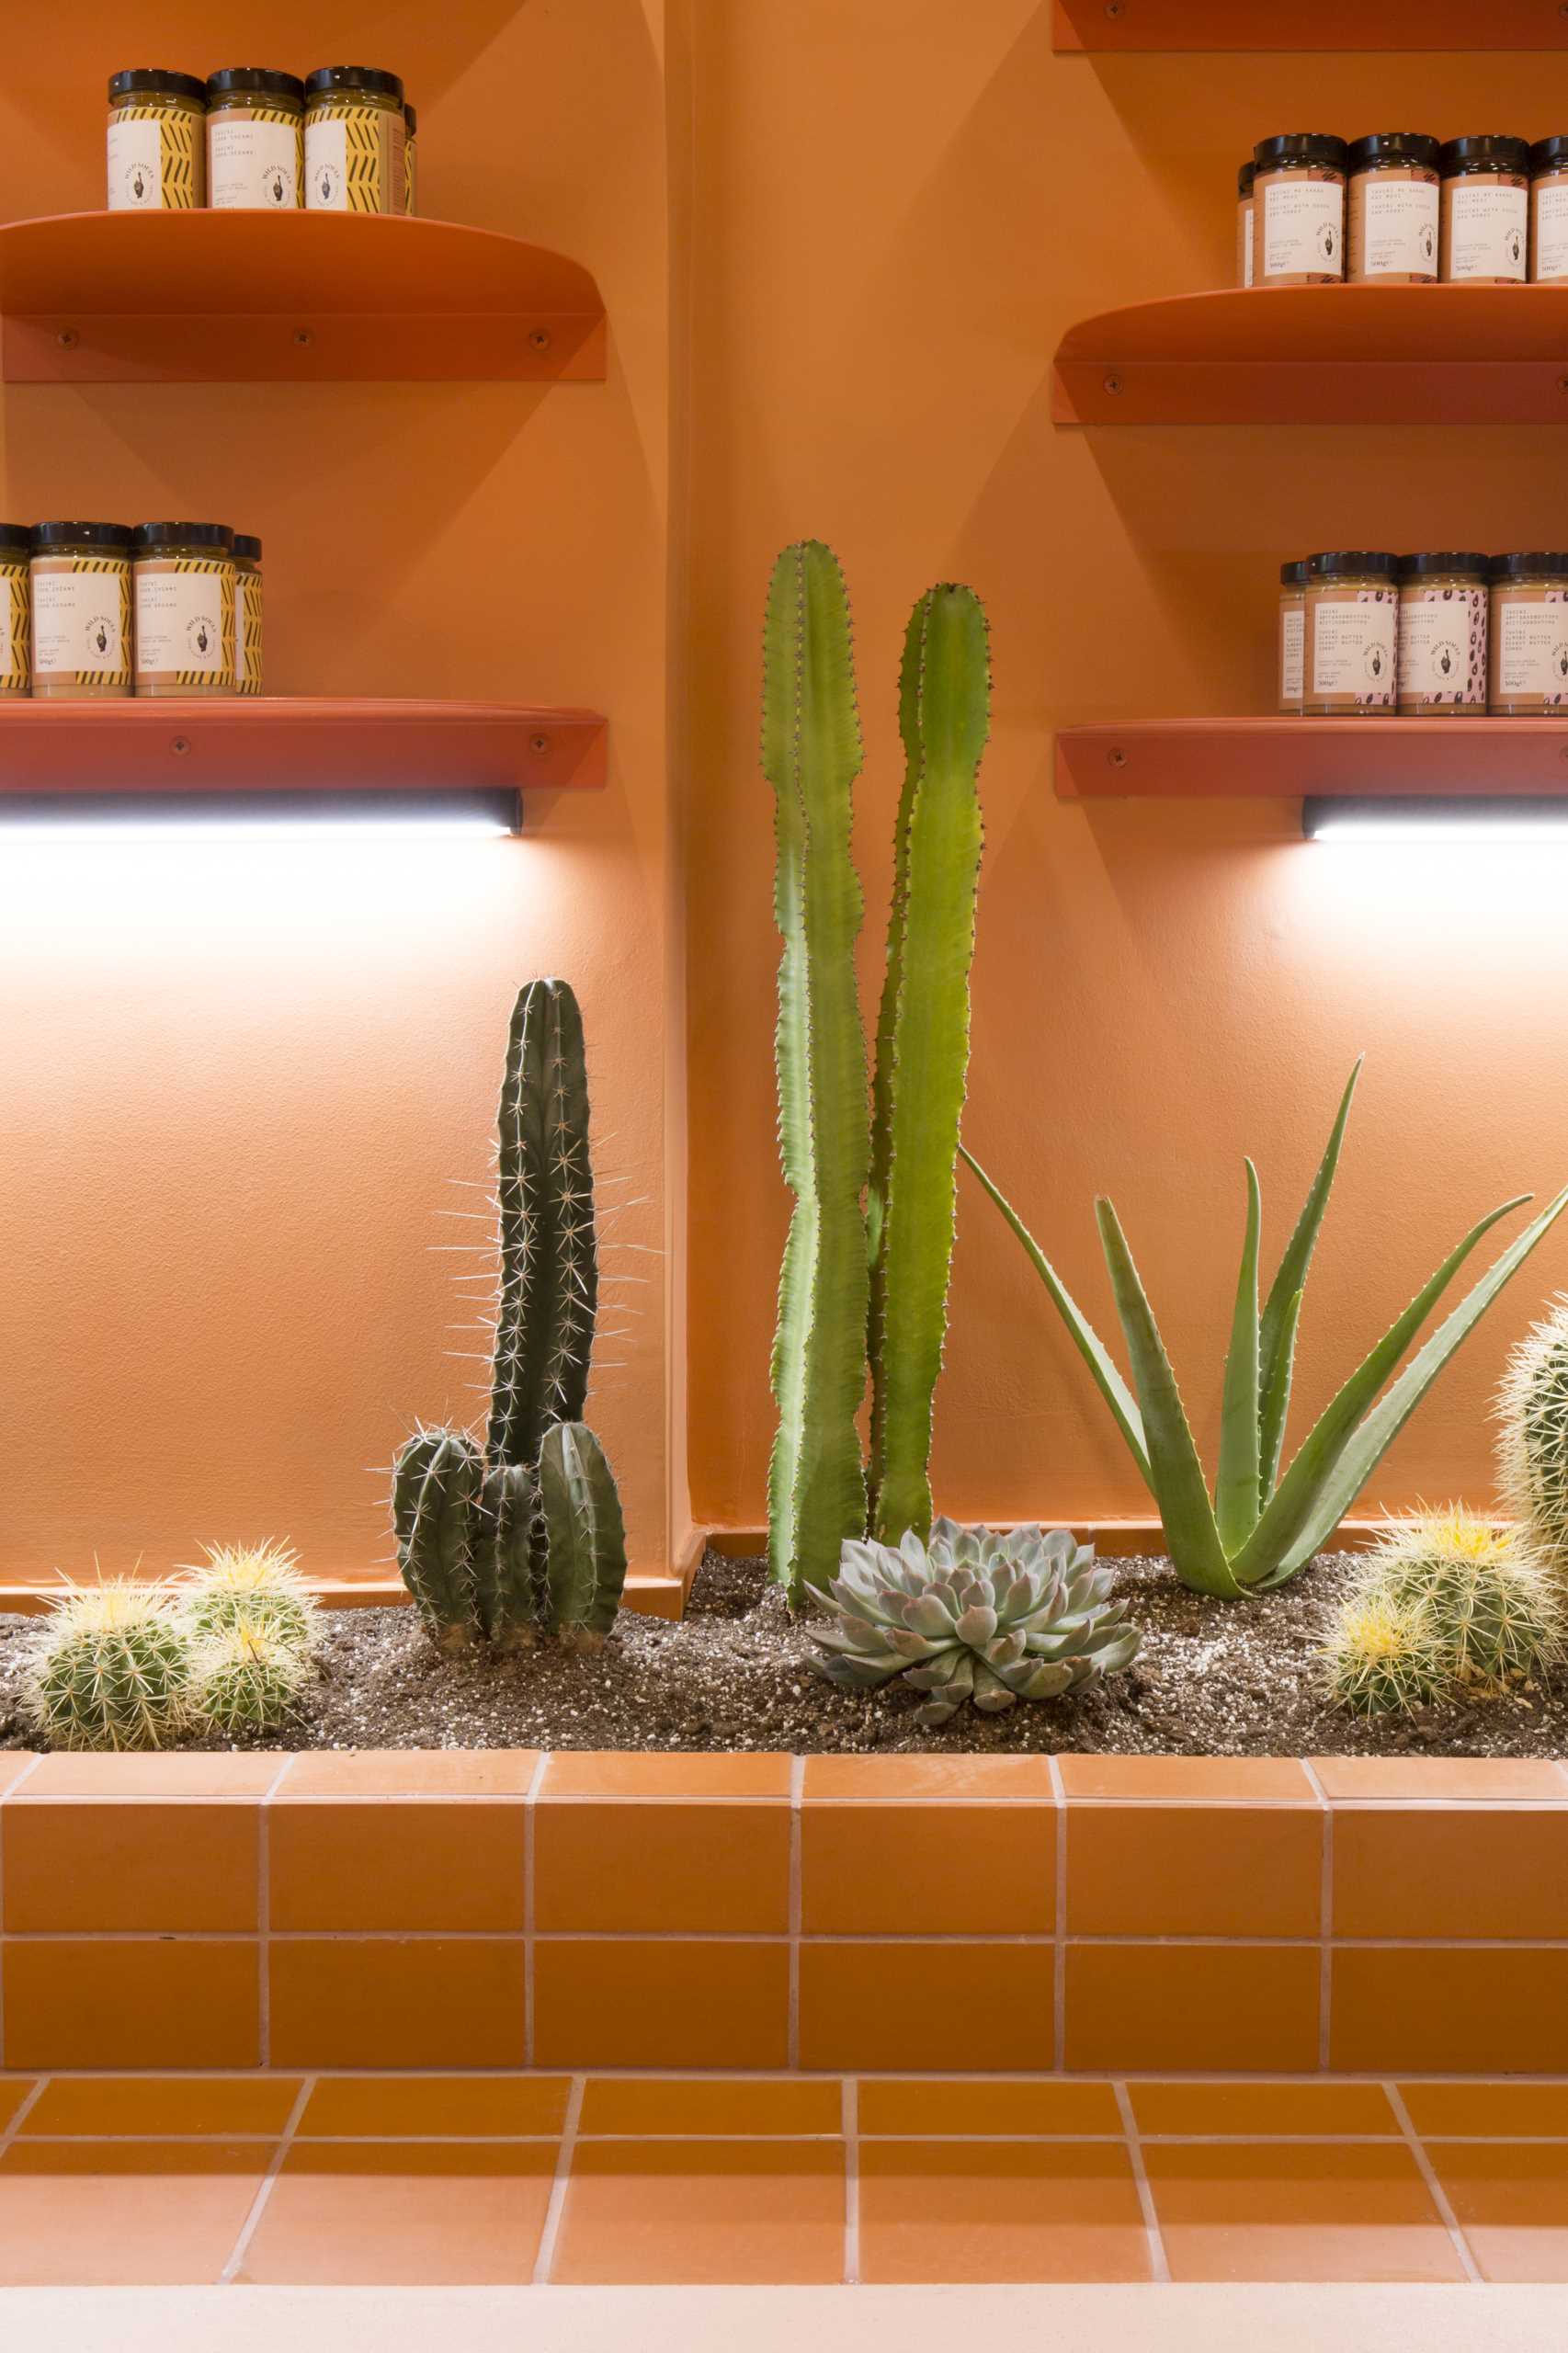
[[438, 1517], [1532, 1407], [923, 1043], [586, 1551], [810, 755]]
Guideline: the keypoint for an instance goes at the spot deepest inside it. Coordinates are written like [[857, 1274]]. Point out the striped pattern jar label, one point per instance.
[[157, 159], [185, 625], [15, 626], [247, 642], [354, 158], [81, 625]]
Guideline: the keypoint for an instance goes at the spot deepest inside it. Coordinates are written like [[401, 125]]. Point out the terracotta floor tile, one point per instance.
[[1208, 2007], [701, 2213], [643, 1869], [78, 1866], [13, 2090], [933, 2211], [1442, 1780], [392, 2002], [890, 1780], [1259, 2110], [614, 2002], [921, 2107], [771, 2107], [1511, 2202], [940, 1870], [458, 2108], [1444, 2009], [1250, 1780], [411, 1773], [219, 2106], [124, 2214], [165, 1773], [102, 2002], [1304, 2210], [1443, 1870], [623, 1774], [873, 2005], [1193, 1871], [404, 2215], [1493, 2110], [399, 1864]]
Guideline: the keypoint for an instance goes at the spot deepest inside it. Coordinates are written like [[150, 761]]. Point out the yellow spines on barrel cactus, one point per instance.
[[111, 1669], [1532, 1409], [923, 1043], [810, 755]]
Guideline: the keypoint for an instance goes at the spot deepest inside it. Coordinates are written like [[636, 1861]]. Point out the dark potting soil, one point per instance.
[[1213, 1678]]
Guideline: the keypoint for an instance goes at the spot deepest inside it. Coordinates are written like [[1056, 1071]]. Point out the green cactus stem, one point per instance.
[[1532, 1408], [923, 1043], [438, 1510], [519, 1591], [586, 1535], [810, 755]]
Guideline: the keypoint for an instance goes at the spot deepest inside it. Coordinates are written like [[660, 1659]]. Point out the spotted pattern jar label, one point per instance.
[[1530, 655], [1354, 636], [1442, 649]]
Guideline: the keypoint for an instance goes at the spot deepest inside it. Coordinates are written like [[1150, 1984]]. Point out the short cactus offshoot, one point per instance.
[[1532, 1408], [973, 1614], [250, 1585], [246, 1679], [1445, 1605], [112, 1669]]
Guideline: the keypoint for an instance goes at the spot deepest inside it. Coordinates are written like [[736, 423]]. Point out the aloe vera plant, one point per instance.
[[1261, 1527]]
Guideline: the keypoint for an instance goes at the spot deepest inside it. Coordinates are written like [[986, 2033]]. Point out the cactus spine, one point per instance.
[[810, 755], [112, 1669], [586, 1553], [923, 1043], [438, 1504], [1532, 1407], [1444, 1605]]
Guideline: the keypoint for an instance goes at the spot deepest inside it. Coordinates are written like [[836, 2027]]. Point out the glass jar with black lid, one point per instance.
[[1352, 634], [255, 139], [247, 614], [157, 147], [1548, 207], [183, 575], [81, 594], [1529, 634], [1299, 192], [1393, 211], [1486, 209], [1442, 634], [354, 138]]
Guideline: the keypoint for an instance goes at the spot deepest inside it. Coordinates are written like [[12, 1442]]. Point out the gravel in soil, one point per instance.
[[1213, 1678]]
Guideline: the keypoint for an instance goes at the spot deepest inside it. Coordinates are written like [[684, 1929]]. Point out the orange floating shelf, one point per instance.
[[1322, 355], [300, 298], [1132, 24], [1281, 759], [267, 742]]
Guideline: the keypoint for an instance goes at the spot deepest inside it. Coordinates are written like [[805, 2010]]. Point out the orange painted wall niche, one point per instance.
[[899, 210], [244, 1091]]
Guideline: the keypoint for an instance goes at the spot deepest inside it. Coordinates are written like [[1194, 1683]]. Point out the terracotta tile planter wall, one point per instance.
[[505, 1910]]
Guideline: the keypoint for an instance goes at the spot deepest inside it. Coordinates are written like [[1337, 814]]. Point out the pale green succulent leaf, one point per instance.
[[1235, 1487]]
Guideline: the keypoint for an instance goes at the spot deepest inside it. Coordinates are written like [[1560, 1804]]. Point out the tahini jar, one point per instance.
[[1529, 634], [157, 150], [1299, 192], [410, 161], [1548, 207], [1352, 635], [1442, 635], [183, 575], [255, 139], [1394, 209], [1247, 217], [354, 140], [247, 614], [1292, 634], [1486, 209], [81, 584], [16, 610]]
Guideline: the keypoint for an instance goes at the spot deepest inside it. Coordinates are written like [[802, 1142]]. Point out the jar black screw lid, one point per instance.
[[353, 77], [263, 78], [1294, 575], [1417, 567], [1346, 563], [1534, 564], [1498, 149], [1245, 178], [1395, 147], [1547, 152], [196, 535], [16, 539], [156, 78], [113, 536], [247, 550], [1299, 147]]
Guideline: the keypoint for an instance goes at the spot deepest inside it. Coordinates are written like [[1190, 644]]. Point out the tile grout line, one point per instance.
[[241, 2247], [264, 1910], [550, 2231], [29, 2102], [851, 2122], [796, 1906], [1428, 2173], [1059, 1973], [1325, 1920], [1159, 2264], [10, 1791], [530, 1848]]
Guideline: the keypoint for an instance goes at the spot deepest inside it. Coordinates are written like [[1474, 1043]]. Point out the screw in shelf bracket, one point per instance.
[[539, 338], [1563, 751], [1113, 10], [1562, 380], [1113, 384], [179, 745], [303, 335], [1117, 758], [539, 745], [68, 338]]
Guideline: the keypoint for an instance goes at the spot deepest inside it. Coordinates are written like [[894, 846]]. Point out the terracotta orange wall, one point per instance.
[[239, 1090], [901, 205]]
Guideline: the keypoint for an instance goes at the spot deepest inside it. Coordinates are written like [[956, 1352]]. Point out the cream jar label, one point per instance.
[[135, 161], [1488, 228], [1303, 227], [1552, 228], [1292, 653], [354, 160], [1442, 647], [1532, 647], [1352, 648], [253, 160], [82, 621], [1249, 246], [1398, 227], [185, 625]]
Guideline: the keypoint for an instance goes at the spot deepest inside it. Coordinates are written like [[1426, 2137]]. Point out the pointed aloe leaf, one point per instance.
[[1086, 1339], [1236, 1481], [1384, 1423], [1295, 1502], [1180, 1491], [1276, 1333]]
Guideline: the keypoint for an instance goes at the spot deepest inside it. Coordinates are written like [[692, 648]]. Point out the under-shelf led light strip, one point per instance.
[[491, 813], [1481, 820]]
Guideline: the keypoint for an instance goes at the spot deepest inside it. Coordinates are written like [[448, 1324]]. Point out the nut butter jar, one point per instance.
[[1529, 634], [1548, 208], [255, 139], [16, 610], [410, 160], [1247, 218], [1486, 209], [183, 575], [247, 614], [354, 140], [1352, 635], [1442, 635], [1394, 209], [81, 584], [157, 149], [1292, 635], [1299, 192]]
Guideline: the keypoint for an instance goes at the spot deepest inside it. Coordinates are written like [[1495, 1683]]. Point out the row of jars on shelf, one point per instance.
[[1404, 208], [1447, 634], [97, 611], [250, 139]]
